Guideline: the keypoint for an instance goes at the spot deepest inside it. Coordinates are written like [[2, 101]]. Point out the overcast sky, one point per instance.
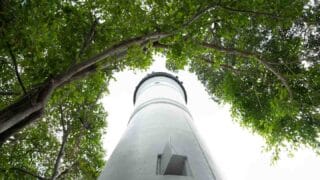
[[236, 151]]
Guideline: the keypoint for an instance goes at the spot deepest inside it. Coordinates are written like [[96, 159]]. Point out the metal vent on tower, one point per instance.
[[171, 163]]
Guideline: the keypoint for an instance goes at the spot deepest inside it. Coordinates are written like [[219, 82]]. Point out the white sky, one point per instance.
[[236, 151]]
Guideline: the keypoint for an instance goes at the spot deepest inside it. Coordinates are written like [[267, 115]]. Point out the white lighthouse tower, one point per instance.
[[160, 142]]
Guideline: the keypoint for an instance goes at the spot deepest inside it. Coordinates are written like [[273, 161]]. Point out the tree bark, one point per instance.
[[17, 127]]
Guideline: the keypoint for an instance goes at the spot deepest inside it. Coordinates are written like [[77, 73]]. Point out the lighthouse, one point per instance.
[[160, 142]]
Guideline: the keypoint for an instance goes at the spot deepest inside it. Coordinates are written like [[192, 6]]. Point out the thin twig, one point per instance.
[[258, 99], [249, 12], [87, 41], [199, 14], [14, 60], [226, 66], [89, 37], [28, 173], [55, 171], [62, 123], [8, 93]]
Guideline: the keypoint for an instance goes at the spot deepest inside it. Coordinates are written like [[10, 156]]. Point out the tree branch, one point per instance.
[[20, 110], [62, 123], [249, 11], [89, 37], [241, 53], [256, 56], [114, 50], [66, 170], [55, 171], [81, 74], [14, 60], [87, 41], [199, 14], [8, 93], [28, 173], [225, 66], [157, 44], [60, 155], [17, 127]]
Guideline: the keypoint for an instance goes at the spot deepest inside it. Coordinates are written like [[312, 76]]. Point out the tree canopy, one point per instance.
[[262, 57]]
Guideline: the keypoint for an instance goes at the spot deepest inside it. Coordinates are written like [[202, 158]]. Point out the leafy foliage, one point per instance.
[[259, 100]]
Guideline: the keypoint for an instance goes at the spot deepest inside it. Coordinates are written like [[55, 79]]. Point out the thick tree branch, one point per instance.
[[114, 50], [14, 60], [256, 56], [23, 108], [20, 110], [81, 74], [17, 127]]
